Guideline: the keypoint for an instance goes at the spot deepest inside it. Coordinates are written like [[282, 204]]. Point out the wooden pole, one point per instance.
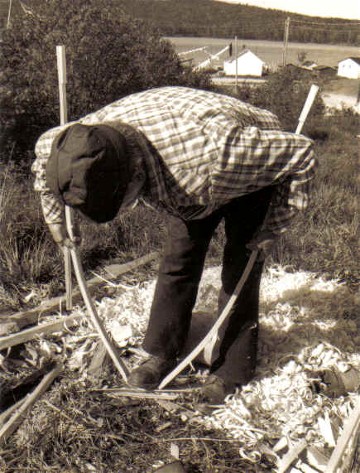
[[286, 39], [39, 330], [307, 106], [236, 64], [9, 15], [61, 67]]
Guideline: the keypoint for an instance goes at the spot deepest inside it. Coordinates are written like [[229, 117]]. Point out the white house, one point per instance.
[[349, 67], [248, 64]]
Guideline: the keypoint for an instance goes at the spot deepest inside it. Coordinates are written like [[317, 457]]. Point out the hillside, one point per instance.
[[208, 18], [223, 20]]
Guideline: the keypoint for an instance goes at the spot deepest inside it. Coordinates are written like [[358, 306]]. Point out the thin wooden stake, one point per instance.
[[346, 439], [291, 456], [307, 106], [61, 66]]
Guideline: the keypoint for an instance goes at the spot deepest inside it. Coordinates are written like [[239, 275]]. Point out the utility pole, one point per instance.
[[9, 15], [286, 39]]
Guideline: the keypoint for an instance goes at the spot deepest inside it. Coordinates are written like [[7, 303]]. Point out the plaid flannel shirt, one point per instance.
[[201, 150]]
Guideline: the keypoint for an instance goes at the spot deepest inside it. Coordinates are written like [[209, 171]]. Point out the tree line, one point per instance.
[[207, 18]]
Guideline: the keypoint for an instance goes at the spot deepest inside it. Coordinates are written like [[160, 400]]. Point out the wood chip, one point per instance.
[[326, 430], [291, 456], [317, 459]]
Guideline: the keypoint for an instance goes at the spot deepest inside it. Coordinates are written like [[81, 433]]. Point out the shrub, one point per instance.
[[108, 55], [284, 93]]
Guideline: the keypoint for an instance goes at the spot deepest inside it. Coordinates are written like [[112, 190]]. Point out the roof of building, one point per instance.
[[242, 53], [355, 59]]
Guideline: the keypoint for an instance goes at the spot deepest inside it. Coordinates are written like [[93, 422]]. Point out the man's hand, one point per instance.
[[61, 237], [263, 242]]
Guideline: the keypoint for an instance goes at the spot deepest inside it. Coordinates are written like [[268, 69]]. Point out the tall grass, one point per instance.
[[323, 239], [326, 237], [31, 262]]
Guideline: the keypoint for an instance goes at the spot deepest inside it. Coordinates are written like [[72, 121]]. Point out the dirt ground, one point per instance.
[[84, 424]]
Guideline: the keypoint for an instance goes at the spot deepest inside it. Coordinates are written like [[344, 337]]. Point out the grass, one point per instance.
[[323, 239]]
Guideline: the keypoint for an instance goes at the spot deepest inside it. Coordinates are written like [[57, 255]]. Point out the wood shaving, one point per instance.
[[307, 324]]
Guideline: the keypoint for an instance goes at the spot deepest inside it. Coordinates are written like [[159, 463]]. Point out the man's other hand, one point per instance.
[[263, 242]]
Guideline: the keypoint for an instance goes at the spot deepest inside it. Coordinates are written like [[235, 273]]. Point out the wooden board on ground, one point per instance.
[[17, 321]]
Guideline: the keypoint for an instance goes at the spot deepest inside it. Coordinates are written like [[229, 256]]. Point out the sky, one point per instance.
[[348, 9]]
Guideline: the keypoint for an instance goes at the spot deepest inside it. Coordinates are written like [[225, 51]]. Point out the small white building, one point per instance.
[[248, 64], [349, 67]]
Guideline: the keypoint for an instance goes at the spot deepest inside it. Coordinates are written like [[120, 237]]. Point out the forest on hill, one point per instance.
[[208, 18]]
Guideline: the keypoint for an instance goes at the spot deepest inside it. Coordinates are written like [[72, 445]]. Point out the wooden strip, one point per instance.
[[348, 435], [291, 456], [23, 319], [96, 320], [61, 68], [98, 360], [142, 394], [215, 328], [33, 332], [6, 414], [307, 106], [13, 423]]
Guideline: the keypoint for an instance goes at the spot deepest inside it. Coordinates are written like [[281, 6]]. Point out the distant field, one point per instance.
[[269, 51], [338, 93]]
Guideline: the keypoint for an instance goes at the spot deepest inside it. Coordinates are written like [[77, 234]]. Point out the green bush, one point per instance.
[[284, 93], [108, 55]]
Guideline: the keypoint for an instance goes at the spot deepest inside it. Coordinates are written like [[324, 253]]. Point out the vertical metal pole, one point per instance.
[[61, 66]]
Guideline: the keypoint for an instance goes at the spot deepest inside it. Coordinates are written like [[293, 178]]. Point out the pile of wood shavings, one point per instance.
[[307, 324]]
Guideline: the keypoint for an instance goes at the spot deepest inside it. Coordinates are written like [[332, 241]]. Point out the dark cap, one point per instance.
[[88, 169]]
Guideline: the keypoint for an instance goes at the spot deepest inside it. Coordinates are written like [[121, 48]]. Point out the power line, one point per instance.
[[327, 24], [303, 28]]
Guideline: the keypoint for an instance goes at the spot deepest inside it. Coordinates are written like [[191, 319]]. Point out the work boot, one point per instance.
[[150, 373], [215, 390]]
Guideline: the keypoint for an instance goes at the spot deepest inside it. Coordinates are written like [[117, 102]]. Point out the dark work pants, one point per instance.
[[178, 281]]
